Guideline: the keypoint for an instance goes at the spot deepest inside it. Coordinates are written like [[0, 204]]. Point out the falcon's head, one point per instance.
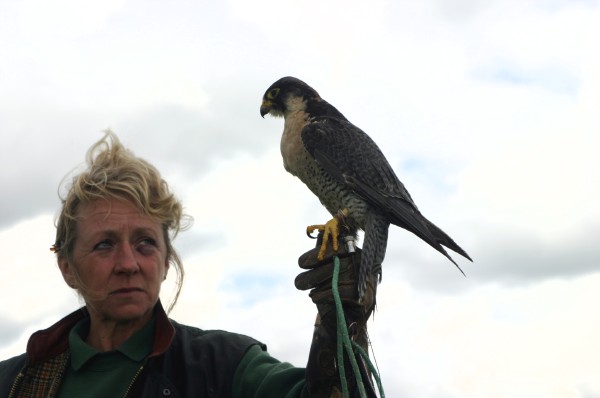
[[286, 95]]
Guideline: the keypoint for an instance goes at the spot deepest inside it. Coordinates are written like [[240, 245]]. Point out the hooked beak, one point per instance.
[[265, 107]]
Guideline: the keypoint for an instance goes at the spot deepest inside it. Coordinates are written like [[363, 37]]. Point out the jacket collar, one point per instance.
[[47, 343]]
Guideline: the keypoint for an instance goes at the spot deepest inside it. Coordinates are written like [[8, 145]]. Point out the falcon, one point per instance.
[[349, 174]]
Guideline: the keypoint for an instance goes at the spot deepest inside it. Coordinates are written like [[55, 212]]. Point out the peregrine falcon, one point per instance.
[[349, 174]]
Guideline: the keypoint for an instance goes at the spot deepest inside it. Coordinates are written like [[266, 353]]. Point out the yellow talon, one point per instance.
[[331, 229]]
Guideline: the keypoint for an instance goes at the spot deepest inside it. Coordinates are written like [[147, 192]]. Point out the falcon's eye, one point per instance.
[[273, 93]]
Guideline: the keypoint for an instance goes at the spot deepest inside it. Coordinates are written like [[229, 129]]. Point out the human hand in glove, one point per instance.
[[322, 371]]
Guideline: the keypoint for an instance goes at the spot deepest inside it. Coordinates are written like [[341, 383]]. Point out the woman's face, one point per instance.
[[120, 258]]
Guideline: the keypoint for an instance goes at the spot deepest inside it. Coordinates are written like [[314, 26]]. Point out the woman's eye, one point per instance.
[[146, 245], [105, 244], [147, 241]]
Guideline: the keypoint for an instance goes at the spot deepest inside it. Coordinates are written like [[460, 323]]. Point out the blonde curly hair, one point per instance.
[[113, 171]]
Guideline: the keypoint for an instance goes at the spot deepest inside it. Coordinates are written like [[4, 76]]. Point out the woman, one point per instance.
[[113, 246]]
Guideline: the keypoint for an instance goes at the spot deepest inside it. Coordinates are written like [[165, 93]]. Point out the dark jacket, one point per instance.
[[185, 362]]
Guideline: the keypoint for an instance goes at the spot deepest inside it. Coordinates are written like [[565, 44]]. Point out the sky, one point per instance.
[[487, 111]]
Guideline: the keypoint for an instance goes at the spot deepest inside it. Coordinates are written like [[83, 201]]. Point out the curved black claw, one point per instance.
[[310, 235]]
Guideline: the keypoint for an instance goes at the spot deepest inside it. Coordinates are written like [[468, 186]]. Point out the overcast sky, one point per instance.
[[488, 112]]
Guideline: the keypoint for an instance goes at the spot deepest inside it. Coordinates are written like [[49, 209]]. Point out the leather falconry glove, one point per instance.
[[322, 372]]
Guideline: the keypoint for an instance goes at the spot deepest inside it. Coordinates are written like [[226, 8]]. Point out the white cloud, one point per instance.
[[497, 342], [465, 100]]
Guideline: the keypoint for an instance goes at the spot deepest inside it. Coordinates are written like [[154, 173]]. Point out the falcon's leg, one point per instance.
[[373, 251], [331, 229]]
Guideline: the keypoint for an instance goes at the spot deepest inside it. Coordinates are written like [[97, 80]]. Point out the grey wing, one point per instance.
[[352, 158]]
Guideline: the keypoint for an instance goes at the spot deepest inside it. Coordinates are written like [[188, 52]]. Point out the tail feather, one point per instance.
[[442, 238]]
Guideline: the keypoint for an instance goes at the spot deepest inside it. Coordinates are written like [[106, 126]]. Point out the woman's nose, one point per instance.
[[125, 261]]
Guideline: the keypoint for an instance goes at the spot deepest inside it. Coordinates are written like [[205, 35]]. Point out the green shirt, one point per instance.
[[259, 375], [92, 373]]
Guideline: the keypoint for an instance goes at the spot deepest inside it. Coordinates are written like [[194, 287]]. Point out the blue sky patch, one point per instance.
[[258, 285], [553, 79]]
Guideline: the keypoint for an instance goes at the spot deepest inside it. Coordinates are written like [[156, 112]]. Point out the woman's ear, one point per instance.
[[166, 269], [67, 273]]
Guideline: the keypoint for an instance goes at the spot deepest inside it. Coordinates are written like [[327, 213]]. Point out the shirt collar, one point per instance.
[[136, 348], [48, 343]]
